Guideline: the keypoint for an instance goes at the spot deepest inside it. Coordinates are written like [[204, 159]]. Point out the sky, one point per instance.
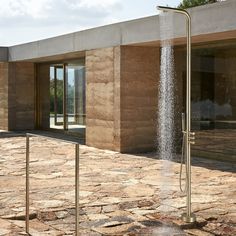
[[23, 21]]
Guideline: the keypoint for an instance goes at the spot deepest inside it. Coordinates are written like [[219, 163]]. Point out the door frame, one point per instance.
[[40, 104]]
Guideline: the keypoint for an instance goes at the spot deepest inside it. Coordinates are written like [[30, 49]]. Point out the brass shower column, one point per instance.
[[188, 216]]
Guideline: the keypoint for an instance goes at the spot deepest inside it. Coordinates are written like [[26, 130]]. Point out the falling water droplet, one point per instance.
[[166, 109]]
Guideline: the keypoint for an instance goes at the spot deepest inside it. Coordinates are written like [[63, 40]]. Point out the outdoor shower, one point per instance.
[[188, 136]]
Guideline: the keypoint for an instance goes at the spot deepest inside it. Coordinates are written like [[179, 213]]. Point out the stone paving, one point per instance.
[[120, 194]]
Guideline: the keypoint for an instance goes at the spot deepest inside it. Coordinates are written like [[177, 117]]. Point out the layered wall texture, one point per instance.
[[102, 104], [17, 96], [122, 84]]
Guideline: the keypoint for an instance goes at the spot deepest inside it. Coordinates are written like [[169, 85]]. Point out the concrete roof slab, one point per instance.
[[206, 20], [100, 37], [3, 54], [56, 45]]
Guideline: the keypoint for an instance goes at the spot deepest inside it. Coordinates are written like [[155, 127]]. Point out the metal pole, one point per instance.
[[65, 116], [188, 216], [55, 95], [76, 180], [77, 189], [27, 186]]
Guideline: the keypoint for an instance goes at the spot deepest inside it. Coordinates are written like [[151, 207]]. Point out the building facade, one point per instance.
[[102, 84]]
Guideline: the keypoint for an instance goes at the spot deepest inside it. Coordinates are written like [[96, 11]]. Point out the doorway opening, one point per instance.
[[67, 97]]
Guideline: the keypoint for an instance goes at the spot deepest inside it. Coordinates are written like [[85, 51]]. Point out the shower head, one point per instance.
[[165, 9], [171, 9], [160, 8]]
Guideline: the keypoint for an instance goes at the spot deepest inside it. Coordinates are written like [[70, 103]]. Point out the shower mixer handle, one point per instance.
[[191, 137]]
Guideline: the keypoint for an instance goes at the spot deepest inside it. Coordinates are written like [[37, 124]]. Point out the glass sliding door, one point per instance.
[[76, 97], [56, 97], [214, 101], [213, 98], [67, 97]]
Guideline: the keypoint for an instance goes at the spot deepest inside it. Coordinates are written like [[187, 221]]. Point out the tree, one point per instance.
[[193, 3], [59, 96]]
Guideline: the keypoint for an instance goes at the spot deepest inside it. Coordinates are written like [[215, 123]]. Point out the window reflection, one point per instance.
[[213, 99], [213, 90]]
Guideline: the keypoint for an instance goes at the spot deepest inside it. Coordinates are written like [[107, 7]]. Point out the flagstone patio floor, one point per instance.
[[120, 194]]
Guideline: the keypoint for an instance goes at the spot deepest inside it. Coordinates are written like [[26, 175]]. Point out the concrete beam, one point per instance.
[[3, 54], [206, 20]]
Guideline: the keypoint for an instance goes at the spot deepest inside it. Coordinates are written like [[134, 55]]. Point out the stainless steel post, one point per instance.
[[28, 135], [77, 189], [188, 216], [55, 95], [27, 186], [65, 95]]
